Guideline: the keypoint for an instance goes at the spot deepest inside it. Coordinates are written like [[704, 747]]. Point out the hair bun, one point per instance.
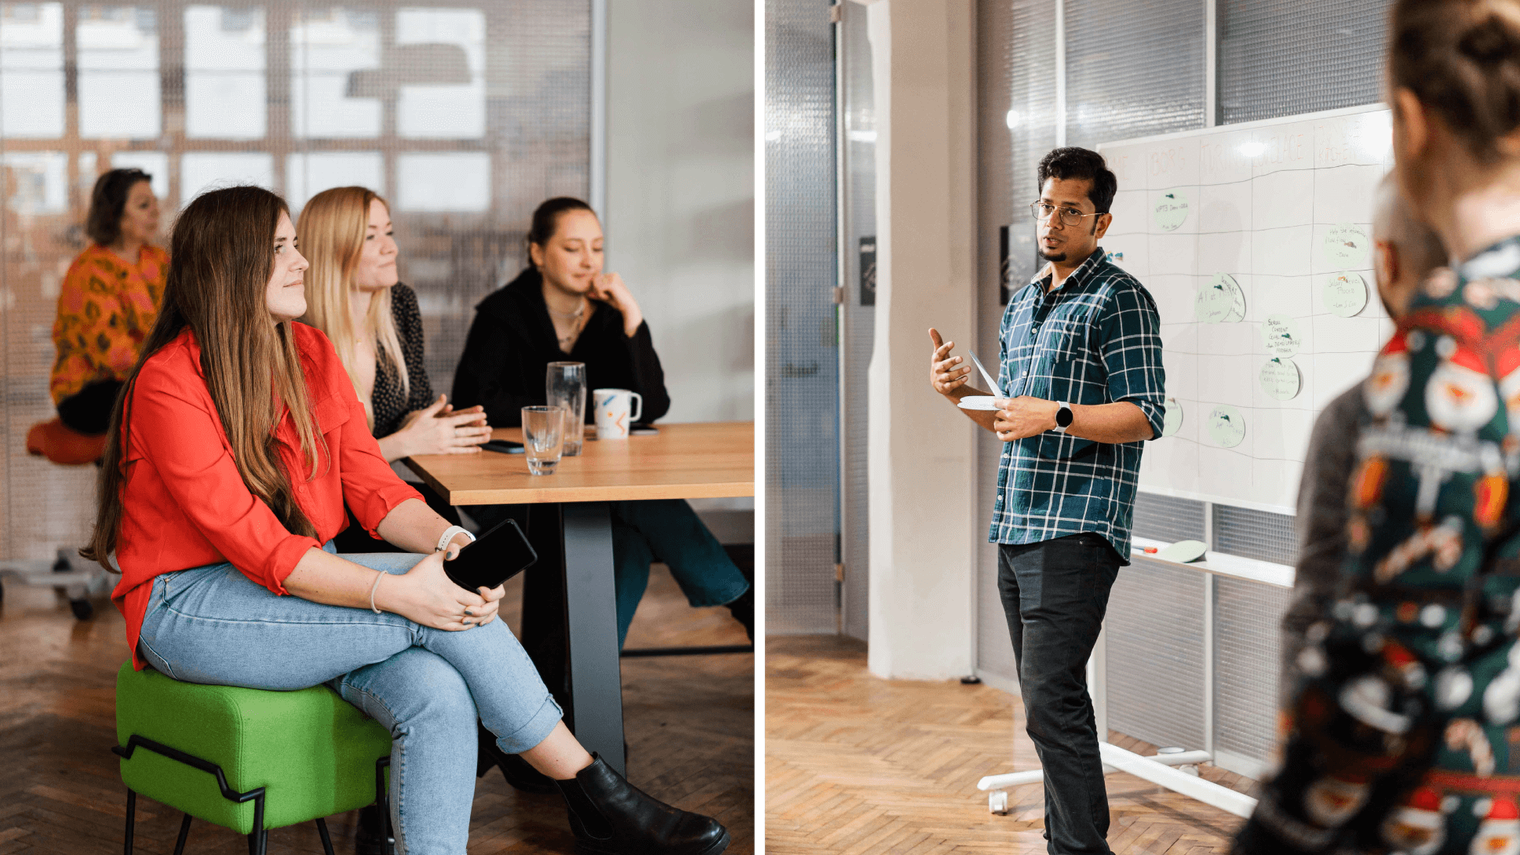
[[1490, 41]]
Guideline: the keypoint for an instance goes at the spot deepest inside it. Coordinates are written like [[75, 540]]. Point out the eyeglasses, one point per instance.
[[1069, 216]]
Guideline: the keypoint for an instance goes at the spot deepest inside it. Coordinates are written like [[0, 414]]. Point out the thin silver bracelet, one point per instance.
[[379, 574]]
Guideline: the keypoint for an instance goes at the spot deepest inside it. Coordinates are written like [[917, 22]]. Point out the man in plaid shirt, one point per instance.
[[1082, 388]]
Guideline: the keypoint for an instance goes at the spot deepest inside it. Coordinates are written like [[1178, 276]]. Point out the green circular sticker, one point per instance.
[[1171, 210], [1280, 378], [1227, 427], [1220, 301], [1281, 336], [1171, 420], [1345, 294], [1346, 246]]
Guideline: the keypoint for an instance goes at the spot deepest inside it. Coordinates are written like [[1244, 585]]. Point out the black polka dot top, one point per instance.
[[389, 406]]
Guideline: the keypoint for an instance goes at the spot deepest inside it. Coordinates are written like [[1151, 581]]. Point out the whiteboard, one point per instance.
[[1282, 207]]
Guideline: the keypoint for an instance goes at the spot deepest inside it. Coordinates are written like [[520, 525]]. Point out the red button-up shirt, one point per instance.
[[184, 504]]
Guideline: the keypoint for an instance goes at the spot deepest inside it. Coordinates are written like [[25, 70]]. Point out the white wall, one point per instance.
[[923, 517], [680, 192]]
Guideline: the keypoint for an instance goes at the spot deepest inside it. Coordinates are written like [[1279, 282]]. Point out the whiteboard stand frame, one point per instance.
[[1159, 768]]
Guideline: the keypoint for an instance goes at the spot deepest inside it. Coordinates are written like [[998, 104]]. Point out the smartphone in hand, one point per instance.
[[495, 557]]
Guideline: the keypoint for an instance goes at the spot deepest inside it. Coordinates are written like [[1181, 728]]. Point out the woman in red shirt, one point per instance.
[[230, 455]]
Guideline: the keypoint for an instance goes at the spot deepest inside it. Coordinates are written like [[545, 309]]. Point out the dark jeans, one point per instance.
[[1054, 596], [666, 531]]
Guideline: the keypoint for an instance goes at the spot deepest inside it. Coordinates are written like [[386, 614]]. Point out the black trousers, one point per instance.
[[1055, 594], [88, 411]]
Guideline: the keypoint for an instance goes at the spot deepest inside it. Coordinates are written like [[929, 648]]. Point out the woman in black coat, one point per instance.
[[563, 307]]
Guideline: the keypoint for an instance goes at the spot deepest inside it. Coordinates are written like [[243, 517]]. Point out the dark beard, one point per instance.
[[1050, 256]]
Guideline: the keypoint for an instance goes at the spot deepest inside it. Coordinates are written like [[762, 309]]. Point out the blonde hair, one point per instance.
[[221, 259], [331, 234]]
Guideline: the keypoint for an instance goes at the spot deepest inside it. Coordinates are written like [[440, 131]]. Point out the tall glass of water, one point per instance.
[[543, 438], [565, 387]]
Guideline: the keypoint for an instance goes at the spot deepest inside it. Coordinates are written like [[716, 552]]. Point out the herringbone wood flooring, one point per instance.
[[690, 729], [855, 764]]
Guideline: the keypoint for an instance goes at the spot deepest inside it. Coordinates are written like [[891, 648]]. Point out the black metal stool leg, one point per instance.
[[258, 841], [131, 815], [184, 832], [382, 799], [326, 841]]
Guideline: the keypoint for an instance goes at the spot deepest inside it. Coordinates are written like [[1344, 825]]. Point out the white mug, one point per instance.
[[612, 406]]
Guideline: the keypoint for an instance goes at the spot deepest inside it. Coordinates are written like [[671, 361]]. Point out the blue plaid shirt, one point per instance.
[[1094, 340]]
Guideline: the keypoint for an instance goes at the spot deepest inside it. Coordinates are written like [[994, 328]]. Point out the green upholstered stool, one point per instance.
[[245, 759]]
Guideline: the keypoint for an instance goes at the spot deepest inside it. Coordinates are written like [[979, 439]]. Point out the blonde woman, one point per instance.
[[354, 296]]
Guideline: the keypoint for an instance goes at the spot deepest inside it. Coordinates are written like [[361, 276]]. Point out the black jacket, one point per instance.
[[511, 343]]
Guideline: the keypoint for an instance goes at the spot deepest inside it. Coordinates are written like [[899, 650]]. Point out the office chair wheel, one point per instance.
[[81, 608]]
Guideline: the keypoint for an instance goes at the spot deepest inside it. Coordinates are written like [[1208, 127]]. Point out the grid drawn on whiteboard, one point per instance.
[[1263, 198]]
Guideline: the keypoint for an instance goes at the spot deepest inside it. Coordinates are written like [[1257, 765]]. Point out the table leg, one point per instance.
[[596, 680]]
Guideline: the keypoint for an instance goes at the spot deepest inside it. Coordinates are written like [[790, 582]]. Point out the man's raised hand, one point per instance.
[[944, 375]]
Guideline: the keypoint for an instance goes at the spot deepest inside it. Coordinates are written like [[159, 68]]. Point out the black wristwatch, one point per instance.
[[1063, 416]]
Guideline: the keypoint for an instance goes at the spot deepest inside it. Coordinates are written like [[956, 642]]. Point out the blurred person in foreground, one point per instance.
[[1406, 252], [1401, 732], [107, 303]]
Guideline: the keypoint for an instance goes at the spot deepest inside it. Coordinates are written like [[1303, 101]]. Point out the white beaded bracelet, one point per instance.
[[379, 574], [448, 535]]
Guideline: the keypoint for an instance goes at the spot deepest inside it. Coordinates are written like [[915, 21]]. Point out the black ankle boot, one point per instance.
[[516, 770], [613, 817], [372, 837], [743, 610]]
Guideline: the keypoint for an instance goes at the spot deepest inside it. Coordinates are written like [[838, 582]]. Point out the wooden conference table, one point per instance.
[[683, 461]]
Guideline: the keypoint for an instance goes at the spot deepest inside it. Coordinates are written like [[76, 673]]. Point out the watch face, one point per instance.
[[1063, 417]]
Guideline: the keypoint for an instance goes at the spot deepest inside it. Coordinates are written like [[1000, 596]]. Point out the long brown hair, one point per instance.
[[331, 232], [1461, 58], [221, 259]]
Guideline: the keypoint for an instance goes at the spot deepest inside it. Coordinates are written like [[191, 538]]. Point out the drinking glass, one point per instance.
[[543, 437], [565, 387]]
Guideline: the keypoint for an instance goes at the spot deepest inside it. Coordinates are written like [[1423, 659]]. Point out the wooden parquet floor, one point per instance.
[[856, 764], [690, 729]]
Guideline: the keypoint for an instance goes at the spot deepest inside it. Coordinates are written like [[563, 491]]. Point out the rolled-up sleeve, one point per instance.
[[370, 486], [172, 427], [1131, 346]]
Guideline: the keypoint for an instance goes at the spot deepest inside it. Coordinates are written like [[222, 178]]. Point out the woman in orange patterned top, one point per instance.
[[108, 302]]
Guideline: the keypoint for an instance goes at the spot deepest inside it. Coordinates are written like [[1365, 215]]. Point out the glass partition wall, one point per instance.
[[464, 116]]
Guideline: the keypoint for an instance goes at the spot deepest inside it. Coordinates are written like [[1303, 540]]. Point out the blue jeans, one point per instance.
[[428, 686], [668, 531]]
